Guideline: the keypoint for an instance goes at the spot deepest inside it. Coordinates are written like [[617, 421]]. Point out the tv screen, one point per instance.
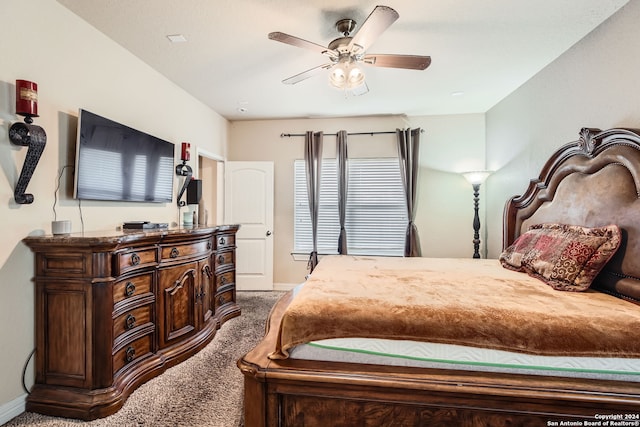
[[116, 162]]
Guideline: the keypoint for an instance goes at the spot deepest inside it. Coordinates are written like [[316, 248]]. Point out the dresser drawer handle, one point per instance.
[[130, 321], [129, 354], [209, 246], [129, 289], [174, 253], [135, 259], [200, 294], [222, 241], [220, 259], [221, 300], [223, 280]]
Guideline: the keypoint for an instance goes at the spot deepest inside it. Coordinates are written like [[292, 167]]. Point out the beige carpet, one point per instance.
[[205, 390]]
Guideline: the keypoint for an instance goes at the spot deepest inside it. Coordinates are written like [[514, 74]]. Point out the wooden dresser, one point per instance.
[[114, 310]]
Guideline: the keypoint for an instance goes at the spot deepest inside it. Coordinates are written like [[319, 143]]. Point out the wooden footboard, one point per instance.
[[309, 393]]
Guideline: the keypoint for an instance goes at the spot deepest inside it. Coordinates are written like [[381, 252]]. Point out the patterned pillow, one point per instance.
[[566, 257]]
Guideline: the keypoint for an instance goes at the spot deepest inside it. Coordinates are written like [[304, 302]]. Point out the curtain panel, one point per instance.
[[408, 156], [342, 174], [313, 167]]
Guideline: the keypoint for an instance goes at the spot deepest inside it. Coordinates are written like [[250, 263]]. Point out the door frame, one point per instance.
[[219, 182]]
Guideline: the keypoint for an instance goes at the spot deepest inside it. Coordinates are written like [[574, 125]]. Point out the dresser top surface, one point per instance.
[[118, 237]]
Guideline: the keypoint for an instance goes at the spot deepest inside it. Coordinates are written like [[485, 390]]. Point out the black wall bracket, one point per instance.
[[186, 171], [34, 137]]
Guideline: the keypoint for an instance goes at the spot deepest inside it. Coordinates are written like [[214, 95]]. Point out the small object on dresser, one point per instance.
[[143, 225], [202, 213], [61, 227], [187, 218]]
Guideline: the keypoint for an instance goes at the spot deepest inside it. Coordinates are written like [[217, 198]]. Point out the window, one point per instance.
[[376, 213]]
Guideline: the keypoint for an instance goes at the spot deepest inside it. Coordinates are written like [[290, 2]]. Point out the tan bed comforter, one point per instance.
[[455, 301]]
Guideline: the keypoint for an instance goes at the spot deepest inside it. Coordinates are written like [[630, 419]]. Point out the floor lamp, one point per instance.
[[476, 178]]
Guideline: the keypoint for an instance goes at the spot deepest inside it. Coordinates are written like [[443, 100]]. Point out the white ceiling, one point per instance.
[[483, 48]]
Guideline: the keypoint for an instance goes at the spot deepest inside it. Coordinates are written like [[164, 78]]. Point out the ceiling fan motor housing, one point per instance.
[[340, 45], [346, 26]]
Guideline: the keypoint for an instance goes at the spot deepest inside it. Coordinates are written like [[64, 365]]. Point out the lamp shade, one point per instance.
[[476, 177]]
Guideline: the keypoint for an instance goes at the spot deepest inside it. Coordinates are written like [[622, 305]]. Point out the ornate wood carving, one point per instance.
[[587, 141]]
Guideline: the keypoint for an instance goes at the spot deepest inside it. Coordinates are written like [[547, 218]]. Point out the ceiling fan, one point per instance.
[[346, 52]]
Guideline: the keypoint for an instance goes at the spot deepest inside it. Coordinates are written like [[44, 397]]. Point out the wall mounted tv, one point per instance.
[[116, 162]]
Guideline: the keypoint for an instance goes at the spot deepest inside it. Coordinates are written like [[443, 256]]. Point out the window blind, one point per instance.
[[376, 216]]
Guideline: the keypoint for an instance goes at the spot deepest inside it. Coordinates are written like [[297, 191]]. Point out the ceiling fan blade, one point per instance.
[[306, 74], [375, 24], [296, 41], [412, 62]]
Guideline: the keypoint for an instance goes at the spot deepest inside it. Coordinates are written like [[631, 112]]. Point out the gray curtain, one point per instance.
[[313, 166], [408, 143], [341, 161]]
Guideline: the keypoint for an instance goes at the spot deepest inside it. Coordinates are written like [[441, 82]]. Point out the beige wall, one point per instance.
[[451, 144], [594, 84], [75, 67]]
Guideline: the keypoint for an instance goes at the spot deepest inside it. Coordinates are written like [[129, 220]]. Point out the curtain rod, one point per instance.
[[288, 135]]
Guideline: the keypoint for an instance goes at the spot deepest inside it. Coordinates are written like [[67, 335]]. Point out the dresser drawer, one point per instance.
[[133, 287], [224, 298], [132, 352], [132, 319], [225, 241], [224, 279], [135, 259], [63, 264], [179, 252], [224, 259]]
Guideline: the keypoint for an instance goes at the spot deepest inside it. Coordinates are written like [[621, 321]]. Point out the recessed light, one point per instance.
[[457, 93], [176, 38]]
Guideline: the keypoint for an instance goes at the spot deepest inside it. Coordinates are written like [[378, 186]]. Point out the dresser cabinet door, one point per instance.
[[177, 303]]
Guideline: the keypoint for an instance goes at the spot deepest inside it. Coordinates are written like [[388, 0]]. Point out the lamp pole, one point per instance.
[[476, 178], [476, 221]]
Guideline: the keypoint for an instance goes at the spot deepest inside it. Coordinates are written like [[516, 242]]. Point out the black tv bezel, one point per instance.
[[77, 178]]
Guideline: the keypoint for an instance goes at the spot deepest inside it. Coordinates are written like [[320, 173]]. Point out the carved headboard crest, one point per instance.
[[588, 141]]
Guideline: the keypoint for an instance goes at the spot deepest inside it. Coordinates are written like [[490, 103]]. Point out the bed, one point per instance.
[[546, 335]]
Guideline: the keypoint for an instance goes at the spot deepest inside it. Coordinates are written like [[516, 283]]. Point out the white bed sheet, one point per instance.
[[447, 356]]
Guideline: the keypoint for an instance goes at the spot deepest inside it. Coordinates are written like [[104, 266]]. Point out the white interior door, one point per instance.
[[248, 195]]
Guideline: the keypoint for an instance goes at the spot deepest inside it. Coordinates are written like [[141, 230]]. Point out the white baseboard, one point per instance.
[[284, 286], [12, 409]]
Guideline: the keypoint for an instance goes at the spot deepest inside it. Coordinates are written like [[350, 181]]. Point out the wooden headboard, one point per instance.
[[594, 181]]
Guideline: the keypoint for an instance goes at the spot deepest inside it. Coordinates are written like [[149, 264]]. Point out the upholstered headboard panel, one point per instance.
[[594, 181]]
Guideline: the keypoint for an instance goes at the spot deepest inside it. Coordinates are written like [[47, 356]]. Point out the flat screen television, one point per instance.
[[115, 162]]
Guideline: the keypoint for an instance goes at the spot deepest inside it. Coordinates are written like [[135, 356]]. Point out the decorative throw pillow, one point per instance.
[[566, 257]]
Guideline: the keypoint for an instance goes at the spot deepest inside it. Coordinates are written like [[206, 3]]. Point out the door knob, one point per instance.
[[268, 233]]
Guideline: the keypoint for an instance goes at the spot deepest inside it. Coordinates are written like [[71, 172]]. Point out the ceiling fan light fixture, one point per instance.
[[346, 74]]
